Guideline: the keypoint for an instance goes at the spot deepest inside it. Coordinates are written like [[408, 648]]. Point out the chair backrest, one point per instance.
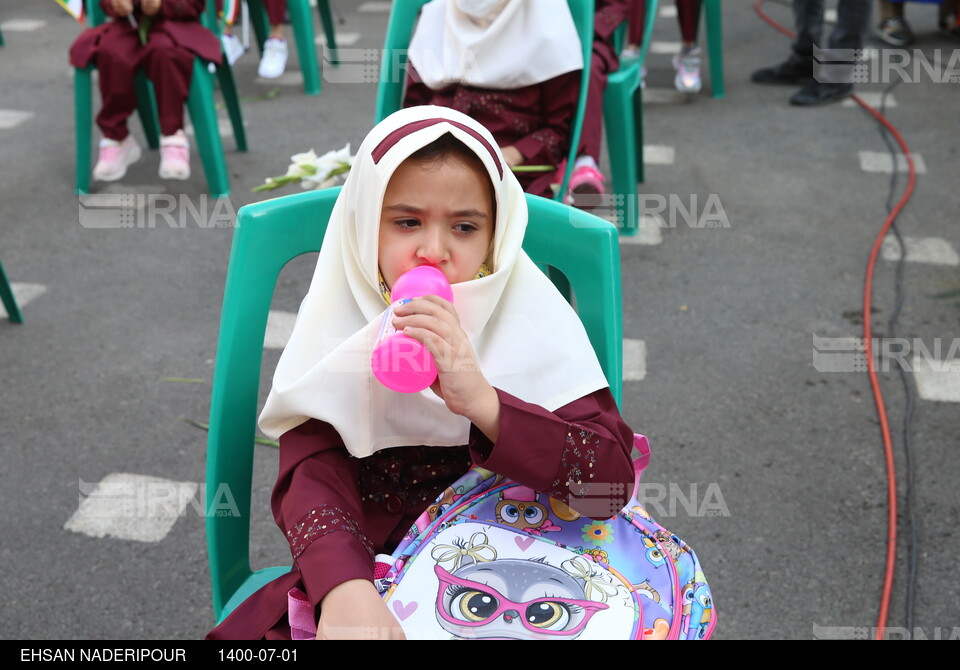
[[403, 17], [270, 234]]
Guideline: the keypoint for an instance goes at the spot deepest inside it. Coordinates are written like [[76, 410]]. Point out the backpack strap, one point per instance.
[[642, 446]]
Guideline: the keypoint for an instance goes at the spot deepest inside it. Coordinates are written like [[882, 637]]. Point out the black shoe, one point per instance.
[[819, 93], [792, 72]]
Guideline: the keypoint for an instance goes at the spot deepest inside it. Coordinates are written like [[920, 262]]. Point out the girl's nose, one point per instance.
[[432, 249]]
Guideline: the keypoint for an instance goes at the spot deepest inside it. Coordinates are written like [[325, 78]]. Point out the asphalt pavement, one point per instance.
[[767, 454]]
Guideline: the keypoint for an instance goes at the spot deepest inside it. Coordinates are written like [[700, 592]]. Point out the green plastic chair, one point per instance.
[[713, 14], [271, 233], [8, 299], [302, 24], [200, 104], [623, 122], [403, 17]]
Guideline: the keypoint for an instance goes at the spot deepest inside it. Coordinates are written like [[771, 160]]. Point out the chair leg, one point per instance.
[[147, 108], [206, 132], [8, 299], [228, 88], [83, 122], [302, 23], [638, 133], [620, 119], [260, 22], [713, 12], [329, 29]]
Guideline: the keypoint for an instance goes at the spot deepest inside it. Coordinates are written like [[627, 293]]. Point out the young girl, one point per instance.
[[519, 389], [174, 38]]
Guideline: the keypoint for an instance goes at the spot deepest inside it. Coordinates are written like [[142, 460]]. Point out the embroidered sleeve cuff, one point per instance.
[[333, 558], [321, 521]]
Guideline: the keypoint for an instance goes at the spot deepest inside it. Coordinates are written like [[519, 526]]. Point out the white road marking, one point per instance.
[[937, 380], [22, 25], [11, 118], [879, 161], [658, 154], [932, 250], [22, 293], [279, 329], [634, 360], [648, 231], [131, 507]]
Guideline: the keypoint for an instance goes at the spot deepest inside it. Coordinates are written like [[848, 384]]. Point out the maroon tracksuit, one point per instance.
[[175, 38]]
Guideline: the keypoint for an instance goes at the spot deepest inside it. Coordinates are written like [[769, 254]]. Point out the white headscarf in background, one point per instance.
[[498, 44], [528, 340]]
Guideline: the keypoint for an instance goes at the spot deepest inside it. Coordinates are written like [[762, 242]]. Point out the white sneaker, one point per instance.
[[687, 65], [115, 157], [274, 60], [174, 156], [232, 47]]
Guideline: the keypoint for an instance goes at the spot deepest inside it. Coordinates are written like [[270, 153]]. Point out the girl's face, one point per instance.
[[437, 213]]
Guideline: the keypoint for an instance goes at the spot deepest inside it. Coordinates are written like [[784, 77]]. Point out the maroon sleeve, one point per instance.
[[580, 454], [549, 144], [317, 505], [416, 92], [182, 10]]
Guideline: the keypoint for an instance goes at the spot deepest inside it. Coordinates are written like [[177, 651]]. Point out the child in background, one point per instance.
[[513, 65], [587, 182], [273, 62], [174, 38], [687, 62], [519, 389]]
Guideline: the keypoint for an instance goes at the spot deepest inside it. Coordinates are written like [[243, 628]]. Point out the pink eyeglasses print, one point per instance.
[[462, 602]]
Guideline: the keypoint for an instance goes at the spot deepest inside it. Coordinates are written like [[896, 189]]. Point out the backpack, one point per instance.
[[492, 559]]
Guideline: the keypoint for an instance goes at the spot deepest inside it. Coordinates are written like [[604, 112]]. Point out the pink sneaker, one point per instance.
[[115, 157], [174, 156], [586, 185]]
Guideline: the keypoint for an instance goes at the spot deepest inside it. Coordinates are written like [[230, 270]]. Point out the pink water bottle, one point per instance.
[[399, 362]]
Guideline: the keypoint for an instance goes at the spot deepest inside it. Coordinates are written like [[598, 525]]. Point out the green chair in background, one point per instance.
[[302, 24], [269, 234], [713, 14], [623, 123], [8, 299], [200, 104], [403, 17]]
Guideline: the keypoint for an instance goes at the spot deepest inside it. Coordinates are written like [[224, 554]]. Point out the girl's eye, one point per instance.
[[407, 223], [465, 227]]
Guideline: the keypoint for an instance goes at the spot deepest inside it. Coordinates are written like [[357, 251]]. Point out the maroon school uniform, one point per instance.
[[535, 119], [175, 38], [338, 512]]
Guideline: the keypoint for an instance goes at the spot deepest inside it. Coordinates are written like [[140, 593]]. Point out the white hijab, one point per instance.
[[498, 44], [528, 340]]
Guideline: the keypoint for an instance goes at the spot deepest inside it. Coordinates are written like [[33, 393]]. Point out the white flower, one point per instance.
[[313, 171], [302, 164]]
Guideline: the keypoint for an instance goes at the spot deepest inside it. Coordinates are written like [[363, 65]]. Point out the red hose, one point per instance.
[[867, 337]]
